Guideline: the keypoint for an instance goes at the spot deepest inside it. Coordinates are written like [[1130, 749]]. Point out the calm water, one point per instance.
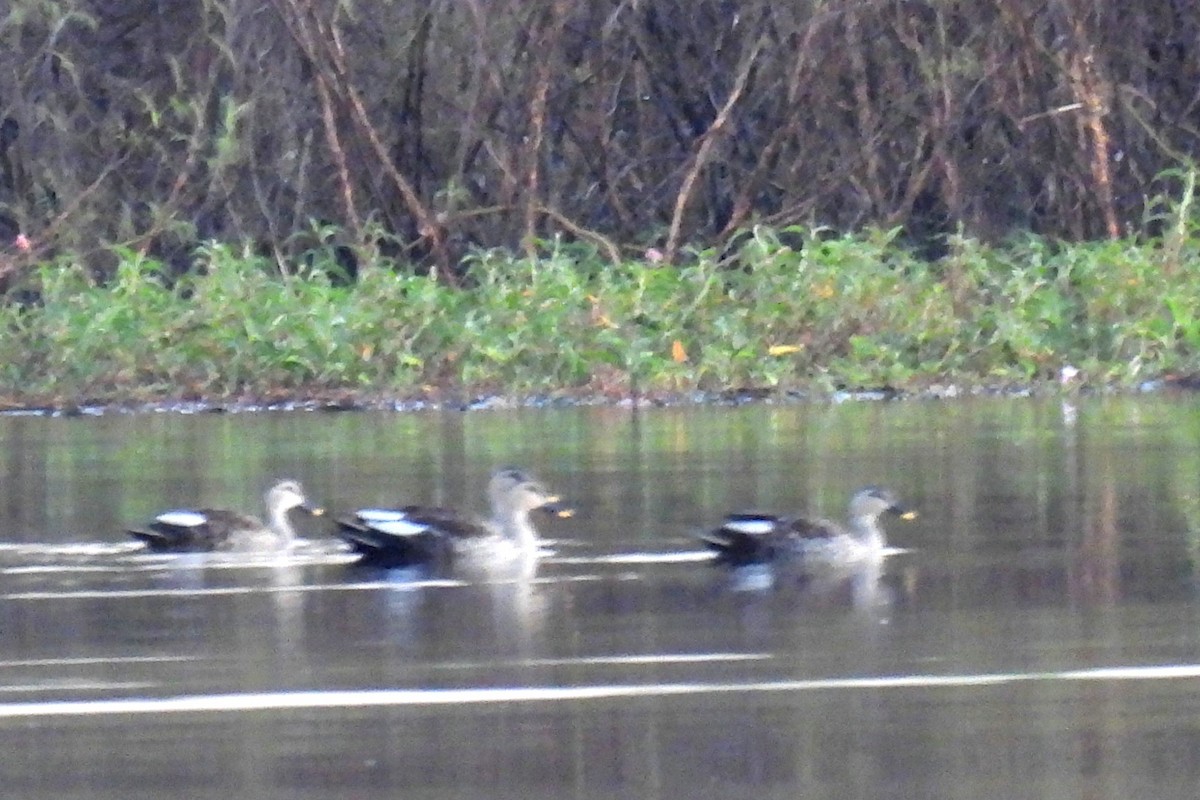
[[1038, 637]]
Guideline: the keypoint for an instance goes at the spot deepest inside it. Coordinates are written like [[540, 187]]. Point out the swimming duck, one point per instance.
[[420, 534], [753, 538], [201, 530]]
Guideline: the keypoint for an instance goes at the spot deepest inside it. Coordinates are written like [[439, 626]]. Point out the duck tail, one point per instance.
[[154, 540], [717, 543]]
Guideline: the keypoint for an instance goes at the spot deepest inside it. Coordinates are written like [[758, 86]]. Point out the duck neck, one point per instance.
[[517, 528], [866, 532], [281, 524]]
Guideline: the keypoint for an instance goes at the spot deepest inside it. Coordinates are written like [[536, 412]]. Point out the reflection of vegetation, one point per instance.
[[798, 310], [1189, 507]]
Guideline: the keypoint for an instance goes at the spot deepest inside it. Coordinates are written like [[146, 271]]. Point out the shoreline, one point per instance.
[[347, 403]]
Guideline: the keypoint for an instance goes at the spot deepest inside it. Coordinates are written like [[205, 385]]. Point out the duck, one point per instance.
[[431, 535], [207, 530], [749, 538]]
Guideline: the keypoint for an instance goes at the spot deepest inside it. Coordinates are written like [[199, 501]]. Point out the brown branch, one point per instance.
[[77, 200], [707, 142], [1078, 62], [298, 27], [329, 52], [334, 143], [428, 226], [794, 83], [1086, 84], [868, 119], [936, 135], [548, 45], [606, 244]]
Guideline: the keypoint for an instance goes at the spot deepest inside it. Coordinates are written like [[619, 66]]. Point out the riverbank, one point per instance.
[[791, 316]]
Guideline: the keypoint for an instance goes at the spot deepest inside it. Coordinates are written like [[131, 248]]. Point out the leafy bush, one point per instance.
[[791, 309]]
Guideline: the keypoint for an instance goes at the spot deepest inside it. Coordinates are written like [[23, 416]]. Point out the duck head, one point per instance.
[[871, 502], [516, 491], [286, 495]]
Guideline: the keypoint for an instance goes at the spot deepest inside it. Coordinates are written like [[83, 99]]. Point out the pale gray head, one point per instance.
[[516, 491], [870, 502], [286, 495]]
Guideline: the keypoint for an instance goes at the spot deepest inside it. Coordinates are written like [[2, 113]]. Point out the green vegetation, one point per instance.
[[793, 309]]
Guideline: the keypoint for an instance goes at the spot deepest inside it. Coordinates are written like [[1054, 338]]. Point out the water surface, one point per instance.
[[1037, 636]]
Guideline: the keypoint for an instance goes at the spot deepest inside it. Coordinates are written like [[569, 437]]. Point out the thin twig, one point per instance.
[[613, 252], [707, 141]]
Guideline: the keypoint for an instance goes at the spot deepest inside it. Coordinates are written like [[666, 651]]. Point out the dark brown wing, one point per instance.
[[446, 521], [199, 530], [810, 529], [406, 536]]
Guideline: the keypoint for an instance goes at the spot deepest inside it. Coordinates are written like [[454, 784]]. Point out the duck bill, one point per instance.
[[903, 513], [556, 508], [315, 511]]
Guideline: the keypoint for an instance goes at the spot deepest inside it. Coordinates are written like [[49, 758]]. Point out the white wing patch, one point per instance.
[[182, 519], [398, 527], [751, 527], [374, 516]]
